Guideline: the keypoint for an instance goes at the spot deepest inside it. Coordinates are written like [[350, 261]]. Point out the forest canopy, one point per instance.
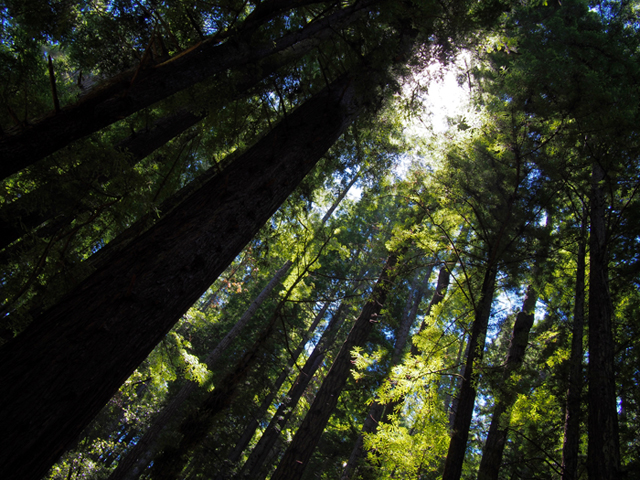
[[235, 245]]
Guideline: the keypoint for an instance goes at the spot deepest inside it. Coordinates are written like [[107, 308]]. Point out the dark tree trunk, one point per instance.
[[65, 366], [299, 452], [138, 457], [467, 395], [261, 452], [377, 409], [571, 443], [603, 458], [136, 89], [497, 437], [252, 426]]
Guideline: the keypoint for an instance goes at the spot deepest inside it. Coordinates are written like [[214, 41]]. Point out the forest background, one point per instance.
[[225, 255]]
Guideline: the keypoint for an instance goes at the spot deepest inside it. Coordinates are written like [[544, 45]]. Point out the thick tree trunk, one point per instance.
[[136, 89], [499, 429], [603, 458], [299, 452], [18, 217], [130, 467], [261, 452], [571, 442], [143, 143], [65, 366], [467, 395]]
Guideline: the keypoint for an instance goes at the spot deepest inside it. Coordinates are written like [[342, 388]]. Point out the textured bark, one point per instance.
[[603, 458], [261, 452], [571, 442], [64, 367], [136, 89], [138, 458], [467, 395], [299, 452], [499, 429]]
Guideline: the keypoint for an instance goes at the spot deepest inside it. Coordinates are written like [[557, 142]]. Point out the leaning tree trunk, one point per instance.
[[132, 464], [298, 454], [498, 431], [143, 143], [261, 452], [603, 458], [571, 442], [253, 425], [141, 87], [66, 365], [376, 410]]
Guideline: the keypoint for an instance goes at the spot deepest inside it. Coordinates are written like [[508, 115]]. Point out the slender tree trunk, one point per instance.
[[498, 431], [467, 395], [603, 458], [261, 452], [64, 367], [139, 88], [138, 458], [299, 452], [376, 410], [252, 426], [571, 443]]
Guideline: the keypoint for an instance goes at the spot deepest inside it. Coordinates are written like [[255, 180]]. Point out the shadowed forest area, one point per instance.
[[236, 244]]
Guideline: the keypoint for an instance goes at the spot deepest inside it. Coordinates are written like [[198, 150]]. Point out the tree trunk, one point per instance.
[[252, 426], [65, 366], [467, 396], [261, 452], [497, 437], [139, 88], [603, 458], [571, 443], [376, 410], [299, 452], [129, 468]]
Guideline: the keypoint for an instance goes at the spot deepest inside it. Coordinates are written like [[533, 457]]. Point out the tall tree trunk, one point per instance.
[[64, 367], [603, 458], [252, 426], [299, 452], [498, 431], [261, 452], [139, 88], [467, 395], [141, 144], [571, 442], [131, 465], [376, 410]]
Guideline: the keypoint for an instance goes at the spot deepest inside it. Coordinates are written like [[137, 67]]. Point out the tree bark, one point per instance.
[[603, 458], [571, 442], [138, 457], [65, 366], [139, 88], [299, 452], [498, 431]]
